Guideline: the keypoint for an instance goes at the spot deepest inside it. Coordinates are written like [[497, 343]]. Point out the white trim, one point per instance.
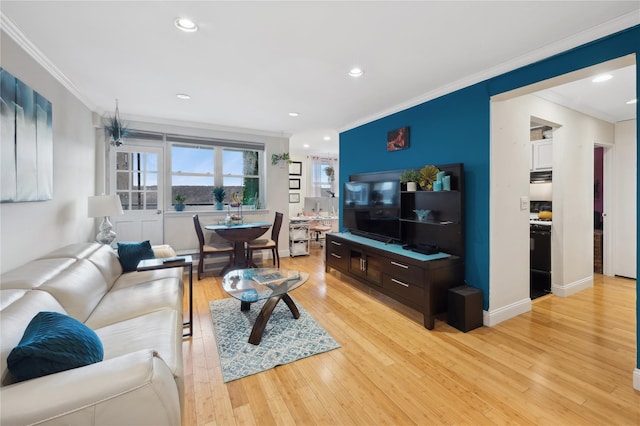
[[493, 317], [636, 379], [621, 23], [608, 206], [21, 40], [572, 288]]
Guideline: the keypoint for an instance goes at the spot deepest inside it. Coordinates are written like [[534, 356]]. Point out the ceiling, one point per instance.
[[252, 63]]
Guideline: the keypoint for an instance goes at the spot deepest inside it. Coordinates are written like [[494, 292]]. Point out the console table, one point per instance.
[[417, 280]]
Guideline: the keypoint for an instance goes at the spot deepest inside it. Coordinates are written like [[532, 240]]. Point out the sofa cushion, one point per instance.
[[163, 250], [132, 253], [53, 342]]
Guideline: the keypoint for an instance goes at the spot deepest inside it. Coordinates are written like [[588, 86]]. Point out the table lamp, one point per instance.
[[105, 206]]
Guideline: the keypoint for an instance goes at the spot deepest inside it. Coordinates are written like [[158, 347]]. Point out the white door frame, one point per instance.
[[140, 225], [608, 206]]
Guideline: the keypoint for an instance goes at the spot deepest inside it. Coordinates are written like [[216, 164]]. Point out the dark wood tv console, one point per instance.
[[417, 280]]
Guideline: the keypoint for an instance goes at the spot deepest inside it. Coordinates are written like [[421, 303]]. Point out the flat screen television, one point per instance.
[[372, 209]]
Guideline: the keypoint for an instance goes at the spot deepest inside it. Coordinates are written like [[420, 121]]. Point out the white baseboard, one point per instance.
[[636, 379], [572, 288], [496, 316]]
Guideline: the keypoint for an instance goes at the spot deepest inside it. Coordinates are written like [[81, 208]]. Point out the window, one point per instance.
[[137, 179], [198, 166], [323, 174]]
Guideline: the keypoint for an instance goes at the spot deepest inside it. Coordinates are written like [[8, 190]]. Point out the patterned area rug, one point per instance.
[[284, 340]]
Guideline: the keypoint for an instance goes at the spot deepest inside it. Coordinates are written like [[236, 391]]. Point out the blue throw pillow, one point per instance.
[[53, 342], [131, 254]]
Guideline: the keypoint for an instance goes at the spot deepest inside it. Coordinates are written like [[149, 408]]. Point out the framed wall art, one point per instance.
[[295, 168], [26, 119], [398, 139], [294, 183], [294, 197]]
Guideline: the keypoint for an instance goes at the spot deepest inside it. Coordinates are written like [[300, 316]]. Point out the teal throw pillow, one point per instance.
[[131, 254], [53, 342]]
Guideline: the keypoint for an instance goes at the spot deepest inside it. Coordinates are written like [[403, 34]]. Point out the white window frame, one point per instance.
[[218, 146]]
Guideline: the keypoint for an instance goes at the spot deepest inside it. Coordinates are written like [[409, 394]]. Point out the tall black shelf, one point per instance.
[[444, 226]]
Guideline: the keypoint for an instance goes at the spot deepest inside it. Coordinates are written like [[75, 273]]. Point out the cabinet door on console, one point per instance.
[[366, 265]]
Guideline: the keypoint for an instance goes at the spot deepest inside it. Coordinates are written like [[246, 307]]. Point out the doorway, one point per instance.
[[136, 175], [573, 191]]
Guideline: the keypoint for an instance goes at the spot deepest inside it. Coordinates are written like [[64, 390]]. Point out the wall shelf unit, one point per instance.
[[417, 280]]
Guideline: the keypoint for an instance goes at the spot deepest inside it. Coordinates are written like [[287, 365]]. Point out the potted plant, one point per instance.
[[280, 159], [116, 128], [179, 199], [329, 171], [218, 194], [410, 177]]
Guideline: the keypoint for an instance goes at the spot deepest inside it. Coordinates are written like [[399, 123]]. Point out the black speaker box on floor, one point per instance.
[[465, 308]]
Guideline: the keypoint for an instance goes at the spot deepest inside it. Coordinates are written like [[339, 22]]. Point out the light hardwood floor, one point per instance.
[[567, 362]]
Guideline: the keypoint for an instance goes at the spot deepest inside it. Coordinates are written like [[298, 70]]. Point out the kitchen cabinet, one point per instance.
[[541, 155]]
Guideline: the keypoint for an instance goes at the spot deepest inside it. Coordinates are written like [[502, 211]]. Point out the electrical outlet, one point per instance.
[[524, 203]]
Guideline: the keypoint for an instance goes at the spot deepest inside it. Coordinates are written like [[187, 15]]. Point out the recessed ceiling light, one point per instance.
[[602, 77], [632, 101], [306, 145], [356, 72], [183, 96], [186, 24], [327, 138], [294, 114]]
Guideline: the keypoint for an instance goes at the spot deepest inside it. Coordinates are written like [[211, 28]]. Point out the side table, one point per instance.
[[173, 262]]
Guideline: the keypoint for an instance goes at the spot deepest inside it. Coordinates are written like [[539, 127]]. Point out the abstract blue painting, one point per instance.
[[26, 142]]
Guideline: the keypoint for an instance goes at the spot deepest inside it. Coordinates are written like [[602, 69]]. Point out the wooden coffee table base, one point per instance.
[[265, 314]]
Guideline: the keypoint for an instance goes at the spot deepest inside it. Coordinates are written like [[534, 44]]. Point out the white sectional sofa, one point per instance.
[[136, 315]]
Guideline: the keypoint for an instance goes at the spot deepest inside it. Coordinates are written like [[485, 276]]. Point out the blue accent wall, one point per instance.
[[455, 128]]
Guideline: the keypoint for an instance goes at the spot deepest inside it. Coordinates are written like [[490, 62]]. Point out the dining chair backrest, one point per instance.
[[277, 224], [199, 233]]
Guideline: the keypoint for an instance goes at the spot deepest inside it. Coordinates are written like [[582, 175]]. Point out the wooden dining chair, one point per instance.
[[267, 244], [208, 250]]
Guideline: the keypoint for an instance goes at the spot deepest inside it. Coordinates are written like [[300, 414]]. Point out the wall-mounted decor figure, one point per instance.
[[26, 126], [398, 139]]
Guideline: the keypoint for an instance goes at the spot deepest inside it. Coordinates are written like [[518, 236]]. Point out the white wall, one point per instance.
[[28, 230], [572, 232], [624, 199]]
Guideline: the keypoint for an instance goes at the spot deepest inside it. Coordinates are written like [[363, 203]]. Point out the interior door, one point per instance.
[[137, 177]]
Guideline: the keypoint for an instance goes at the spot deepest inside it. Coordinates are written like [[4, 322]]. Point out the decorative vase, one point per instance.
[[411, 186], [179, 207], [219, 205], [422, 214]]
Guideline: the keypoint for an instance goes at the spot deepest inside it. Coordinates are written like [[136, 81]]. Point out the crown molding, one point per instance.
[[621, 23], [13, 31]]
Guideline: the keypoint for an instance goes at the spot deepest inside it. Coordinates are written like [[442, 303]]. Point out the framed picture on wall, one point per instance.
[[294, 183], [398, 139], [295, 168], [294, 197]]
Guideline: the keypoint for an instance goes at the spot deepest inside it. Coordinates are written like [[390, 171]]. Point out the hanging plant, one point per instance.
[[116, 128], [280, 158], [330, 172]]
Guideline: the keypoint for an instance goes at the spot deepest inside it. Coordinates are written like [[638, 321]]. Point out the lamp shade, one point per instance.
[[104, 205]]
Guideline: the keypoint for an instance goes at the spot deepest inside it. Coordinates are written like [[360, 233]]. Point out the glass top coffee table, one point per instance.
[[270, 284]]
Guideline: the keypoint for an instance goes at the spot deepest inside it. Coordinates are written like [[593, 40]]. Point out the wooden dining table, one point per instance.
[[240, 234]]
